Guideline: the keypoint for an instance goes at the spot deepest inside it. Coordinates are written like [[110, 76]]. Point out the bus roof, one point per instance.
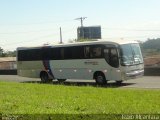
[[116, 42]]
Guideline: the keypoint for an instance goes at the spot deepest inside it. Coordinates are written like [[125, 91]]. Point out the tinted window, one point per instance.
[[87, 52], [106, 54], [75, 52], [96, 52], [114, 61], [26, 55], [62, 53], [111, 56], [57, 53], [47, 53], [68, 53]]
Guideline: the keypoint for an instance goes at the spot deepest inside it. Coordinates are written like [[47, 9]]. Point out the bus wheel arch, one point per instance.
[[119, 82], [100, 78], [44, 77], [61, 80]]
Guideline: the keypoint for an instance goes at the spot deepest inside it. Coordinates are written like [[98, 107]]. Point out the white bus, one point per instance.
[[99, 60]]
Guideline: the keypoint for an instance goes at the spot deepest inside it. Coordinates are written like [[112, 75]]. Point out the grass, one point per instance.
[[29, 98]]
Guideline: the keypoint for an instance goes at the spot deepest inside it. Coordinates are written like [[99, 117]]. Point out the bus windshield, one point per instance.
[[131, 54]]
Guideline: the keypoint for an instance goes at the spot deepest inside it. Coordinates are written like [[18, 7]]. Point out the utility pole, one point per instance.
[[60, 36], [81, 20]]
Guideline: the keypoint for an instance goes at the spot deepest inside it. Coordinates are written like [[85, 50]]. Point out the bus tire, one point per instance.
[[119, 82], [100, 78], [61, 80], [44, 77]]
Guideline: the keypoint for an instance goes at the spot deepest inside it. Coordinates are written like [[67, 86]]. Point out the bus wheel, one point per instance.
[[119, 82], [61, 80], [100, 79], [44, 77]]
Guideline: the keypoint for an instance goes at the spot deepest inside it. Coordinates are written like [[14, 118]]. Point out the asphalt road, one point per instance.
[[150, 82]]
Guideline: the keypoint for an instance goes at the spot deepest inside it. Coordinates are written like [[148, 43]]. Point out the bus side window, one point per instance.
[[68, 53], [77, 52], [114, 58], [96, 52], [62, 53], [87, 52], [106, 55], [111, 56], [47, 54]]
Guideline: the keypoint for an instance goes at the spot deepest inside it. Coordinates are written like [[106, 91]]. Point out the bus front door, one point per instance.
[[111, 57]]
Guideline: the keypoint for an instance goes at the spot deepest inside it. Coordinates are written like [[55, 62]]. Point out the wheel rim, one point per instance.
[[61, 80], [44, 77], [100, 79]]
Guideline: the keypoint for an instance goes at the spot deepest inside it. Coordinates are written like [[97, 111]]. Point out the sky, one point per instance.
[[37, 22]]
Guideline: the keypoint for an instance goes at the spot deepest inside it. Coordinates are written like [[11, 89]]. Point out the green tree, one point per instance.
[[2, 54], [10, 54], [151, 44], [84, 40]]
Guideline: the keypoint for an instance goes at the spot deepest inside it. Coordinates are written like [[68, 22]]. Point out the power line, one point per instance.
[[81, 19], [27, 32], [39, 23], [135, 37], [30, 40], [125, 29], [45, 30], [49, 35], [49, 30]]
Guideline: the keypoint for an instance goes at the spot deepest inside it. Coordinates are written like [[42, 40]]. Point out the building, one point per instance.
[[91, 32], [8, 63]]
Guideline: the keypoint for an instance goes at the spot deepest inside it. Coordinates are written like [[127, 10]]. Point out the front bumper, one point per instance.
[[135, 74]]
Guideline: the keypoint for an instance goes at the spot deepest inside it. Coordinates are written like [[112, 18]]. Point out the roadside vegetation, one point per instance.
[[151, 52], [34, 98], [151, 47]]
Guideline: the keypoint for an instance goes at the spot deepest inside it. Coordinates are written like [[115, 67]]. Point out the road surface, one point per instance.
[[151, 82]]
